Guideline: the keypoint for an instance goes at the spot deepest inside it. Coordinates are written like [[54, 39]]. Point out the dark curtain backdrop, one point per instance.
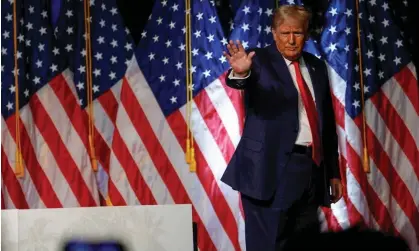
[[136, 13]]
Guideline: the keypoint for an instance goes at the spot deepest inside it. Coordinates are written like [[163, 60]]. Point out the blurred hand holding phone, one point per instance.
[[94, 246]]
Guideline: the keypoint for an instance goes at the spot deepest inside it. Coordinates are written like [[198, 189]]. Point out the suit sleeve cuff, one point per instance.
[[230, 76]]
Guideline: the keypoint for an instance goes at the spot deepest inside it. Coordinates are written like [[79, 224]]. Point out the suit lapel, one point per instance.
[[282, 72]]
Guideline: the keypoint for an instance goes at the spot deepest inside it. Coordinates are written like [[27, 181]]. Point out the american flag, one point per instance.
[[387, 198], [112, 48], [139, 115], [152, 122], [57, 171]]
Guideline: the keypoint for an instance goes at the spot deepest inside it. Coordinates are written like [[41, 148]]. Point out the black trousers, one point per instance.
[[269, 226]]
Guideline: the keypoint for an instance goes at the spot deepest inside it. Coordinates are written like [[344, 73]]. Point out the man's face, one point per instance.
[[290, 36]]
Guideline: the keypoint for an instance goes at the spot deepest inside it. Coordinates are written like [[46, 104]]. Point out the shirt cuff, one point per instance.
[[230, 76]]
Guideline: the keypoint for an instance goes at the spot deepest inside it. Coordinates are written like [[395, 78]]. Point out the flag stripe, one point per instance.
[[136, 180], [78, 155], [400, 220], [332, 222], [13, 187], [356, 203], [65, 162], [110, 104], [208, 154], [357, 193], [395, 127], [104, 155], [339, 214], [399, 189], [152, 165], [163, 131], [338, 88], [324, 221], [9, 179], [206, 178], [40, 179], [412, 69], [154, 145], [79, 120], [122, 183], [226, 110], [47, 162], [346, 213], [105, 109], [236, 97], [214, 124], [409, 84], [398, 161], [372, 202], [231, 118], [216, 146], [8, 202], [353, 130], [3, 203], [403, 107], [355, 169], [215, 98]]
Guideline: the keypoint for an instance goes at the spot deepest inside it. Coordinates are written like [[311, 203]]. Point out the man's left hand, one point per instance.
[[337, 189]]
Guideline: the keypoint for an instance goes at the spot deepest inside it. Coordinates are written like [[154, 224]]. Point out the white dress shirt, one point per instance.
[[304, 135]]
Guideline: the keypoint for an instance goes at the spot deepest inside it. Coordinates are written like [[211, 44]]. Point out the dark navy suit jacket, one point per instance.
[[272, 125]]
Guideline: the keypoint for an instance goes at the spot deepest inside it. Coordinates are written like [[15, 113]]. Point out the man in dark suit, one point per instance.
[[286, 163]]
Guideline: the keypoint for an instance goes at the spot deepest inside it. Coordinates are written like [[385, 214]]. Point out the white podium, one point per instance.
[[156, 228]]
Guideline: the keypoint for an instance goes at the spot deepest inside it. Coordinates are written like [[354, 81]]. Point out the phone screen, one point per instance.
[[96, 246]]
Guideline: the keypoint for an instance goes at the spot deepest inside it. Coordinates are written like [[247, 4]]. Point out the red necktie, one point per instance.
[[313, 118]]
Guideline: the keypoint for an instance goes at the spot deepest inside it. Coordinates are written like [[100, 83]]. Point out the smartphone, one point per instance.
[[94, 246]]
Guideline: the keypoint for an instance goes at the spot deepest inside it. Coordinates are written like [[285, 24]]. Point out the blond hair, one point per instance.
[[294, 11]]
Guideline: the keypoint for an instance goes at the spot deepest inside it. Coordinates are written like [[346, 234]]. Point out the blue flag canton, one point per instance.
[[248, 22], [381, 51], [37, 53], [162, 50], [111, 45], [252, 23]]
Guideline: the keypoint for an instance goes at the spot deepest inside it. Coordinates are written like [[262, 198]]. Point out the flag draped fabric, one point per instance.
[[380, 114], [42, 119], [111, 51], [138, 119], [153, 120]]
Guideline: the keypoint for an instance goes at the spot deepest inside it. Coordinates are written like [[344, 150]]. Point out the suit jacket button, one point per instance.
[[296, 129]]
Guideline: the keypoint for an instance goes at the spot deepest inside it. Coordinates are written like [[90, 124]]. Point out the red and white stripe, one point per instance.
[[152, 148], [388, 197], [57, 165]]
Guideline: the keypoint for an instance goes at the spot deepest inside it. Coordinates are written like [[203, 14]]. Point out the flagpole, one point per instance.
[[89, 84], [190, 150], [361, 80], [19, 170]]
